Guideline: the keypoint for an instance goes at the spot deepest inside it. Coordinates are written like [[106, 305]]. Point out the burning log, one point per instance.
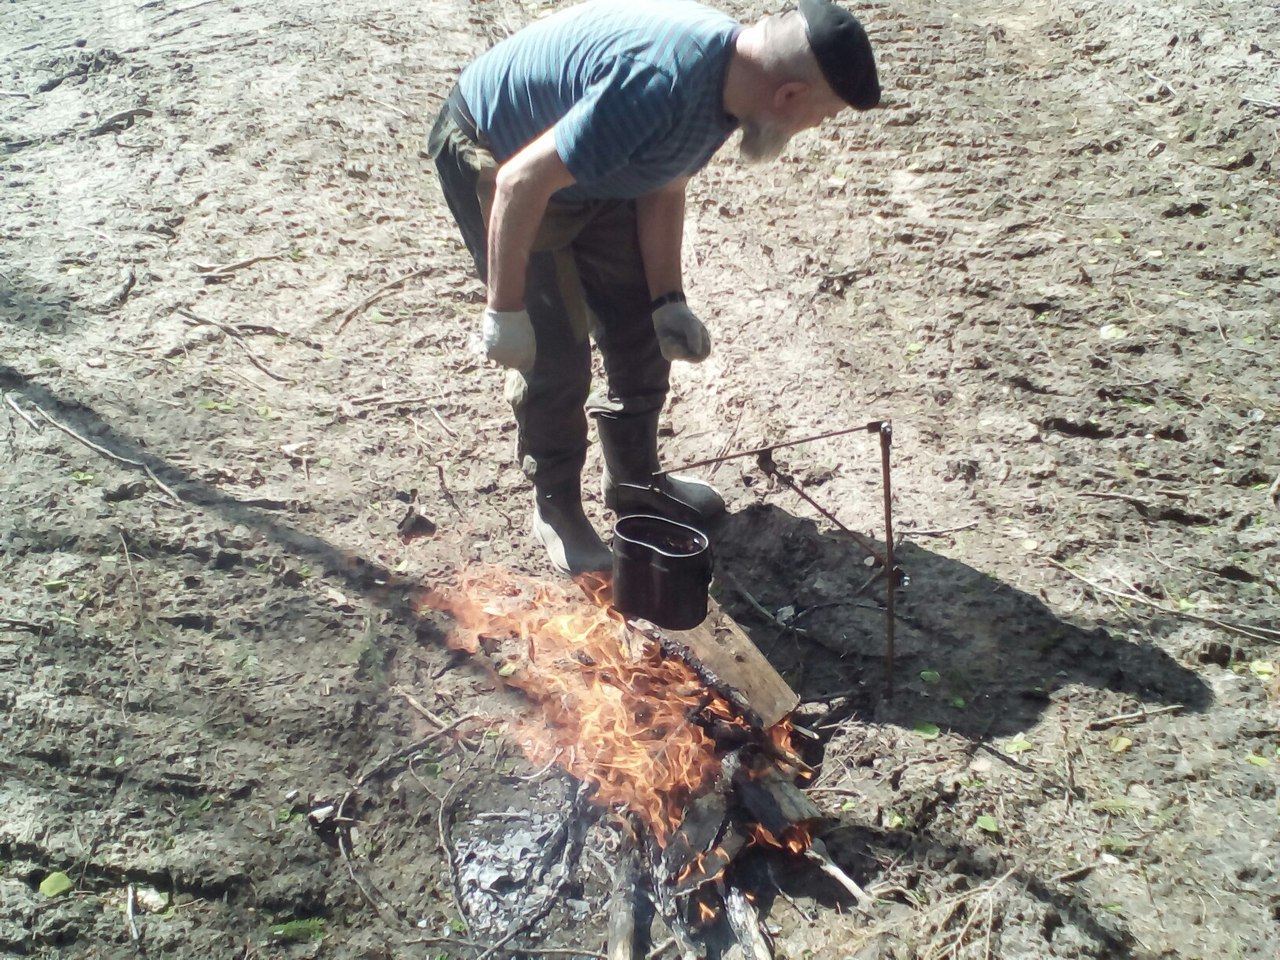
[[745, 924], [724, 656], [778, 806], [622, 903]]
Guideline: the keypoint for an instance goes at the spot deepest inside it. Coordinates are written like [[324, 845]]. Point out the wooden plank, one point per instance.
[[735, 666]]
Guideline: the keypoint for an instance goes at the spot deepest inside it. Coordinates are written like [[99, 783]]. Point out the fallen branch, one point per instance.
[[103, 451], [1244, 630], [942, 532], [39, 629], [378, 295], [1137, 715], [236, 336]]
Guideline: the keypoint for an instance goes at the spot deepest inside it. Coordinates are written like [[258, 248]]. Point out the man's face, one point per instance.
[[796, 107]]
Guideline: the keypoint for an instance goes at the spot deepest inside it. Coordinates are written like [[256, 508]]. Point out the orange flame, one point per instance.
[[795, 839], [625, 724]]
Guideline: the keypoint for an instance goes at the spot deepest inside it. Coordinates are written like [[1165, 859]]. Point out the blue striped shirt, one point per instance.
[[633, 88]]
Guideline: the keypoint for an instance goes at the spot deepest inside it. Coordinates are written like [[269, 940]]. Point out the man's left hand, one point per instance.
[[681, 335]]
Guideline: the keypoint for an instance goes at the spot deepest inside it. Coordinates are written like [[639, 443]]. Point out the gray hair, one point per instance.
[[785, 51]]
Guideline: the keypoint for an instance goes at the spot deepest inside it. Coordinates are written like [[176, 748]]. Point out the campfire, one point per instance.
[[629, 711]]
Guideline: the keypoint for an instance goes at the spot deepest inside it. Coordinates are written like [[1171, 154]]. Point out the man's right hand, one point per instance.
[[506, 337]]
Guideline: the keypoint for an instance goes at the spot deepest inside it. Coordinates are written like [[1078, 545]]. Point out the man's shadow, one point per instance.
[[973, 655]]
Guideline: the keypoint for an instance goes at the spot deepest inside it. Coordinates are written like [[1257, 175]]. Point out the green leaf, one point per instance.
[[55, 586], [930, 676], [507, 669], [55, 884], [1114, 843], [1258, 761], [299, 931], [928, 731], [82, 477], [1018, 744], [1119, 744], [957, 702], [324, 462], [1262, 668], [988, 823]]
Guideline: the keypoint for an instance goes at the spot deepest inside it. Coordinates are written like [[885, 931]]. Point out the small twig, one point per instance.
[[237, 338], [942, 532], [817, 852], [137, 597], [660, 949], [108, 454], [1140, 505], [444, 491], [392, 107], [230, 268], [1243, 630], [1137, 715], [1069, 876], [378, 295], [380, 402], [420, 708], [1273, 492], [130, 897], [125, 117], [381, 908], [15, 93], [440, 420], [755, 604], [1264, 104], [532, 951], [22, 413]]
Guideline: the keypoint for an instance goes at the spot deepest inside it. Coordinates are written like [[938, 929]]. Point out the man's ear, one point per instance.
[[787, 94]]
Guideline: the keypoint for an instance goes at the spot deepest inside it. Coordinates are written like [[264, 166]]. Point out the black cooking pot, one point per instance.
[[661, 571]]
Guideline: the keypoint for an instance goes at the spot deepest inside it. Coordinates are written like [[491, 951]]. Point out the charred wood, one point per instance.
[[777, 804], [745, 924]]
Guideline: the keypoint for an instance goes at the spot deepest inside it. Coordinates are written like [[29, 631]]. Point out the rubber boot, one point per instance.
[[630, 446], [572, 543]]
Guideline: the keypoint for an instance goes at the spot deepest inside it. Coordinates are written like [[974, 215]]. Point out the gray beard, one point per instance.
[[761, 142]]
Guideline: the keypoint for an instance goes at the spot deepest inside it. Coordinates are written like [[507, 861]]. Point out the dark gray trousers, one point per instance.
[[586, 279]]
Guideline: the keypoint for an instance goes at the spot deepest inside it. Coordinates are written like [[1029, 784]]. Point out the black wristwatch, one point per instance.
[[675, 296]]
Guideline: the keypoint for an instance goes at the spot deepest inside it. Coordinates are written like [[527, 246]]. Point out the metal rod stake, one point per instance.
[[865, 428], [891, 573]]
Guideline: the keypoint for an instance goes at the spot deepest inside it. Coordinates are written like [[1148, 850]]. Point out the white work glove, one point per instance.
[[681, 335], [506, 337]]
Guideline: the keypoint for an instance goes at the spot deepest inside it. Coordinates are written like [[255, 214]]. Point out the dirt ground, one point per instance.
[[1053, 260]]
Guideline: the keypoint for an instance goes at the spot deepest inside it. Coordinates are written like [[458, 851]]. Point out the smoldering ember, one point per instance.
[[980, 661]]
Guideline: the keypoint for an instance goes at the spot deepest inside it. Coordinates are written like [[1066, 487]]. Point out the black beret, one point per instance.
[[843, 52]]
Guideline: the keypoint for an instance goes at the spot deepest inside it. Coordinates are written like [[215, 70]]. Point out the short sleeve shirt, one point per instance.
[[634, 91]]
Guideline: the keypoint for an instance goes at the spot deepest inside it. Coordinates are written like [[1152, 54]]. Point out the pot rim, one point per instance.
[[702, 541]]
